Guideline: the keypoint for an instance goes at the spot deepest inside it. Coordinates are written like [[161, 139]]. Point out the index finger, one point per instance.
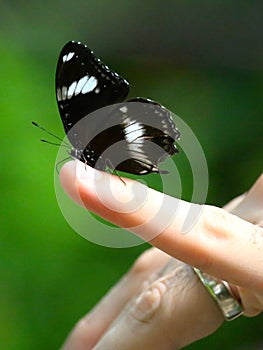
[[218, 242]]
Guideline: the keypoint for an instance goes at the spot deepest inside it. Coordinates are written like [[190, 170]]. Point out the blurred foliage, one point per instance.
[[49, 275]]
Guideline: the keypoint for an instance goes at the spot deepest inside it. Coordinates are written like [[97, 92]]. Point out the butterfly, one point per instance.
[[103, 128]]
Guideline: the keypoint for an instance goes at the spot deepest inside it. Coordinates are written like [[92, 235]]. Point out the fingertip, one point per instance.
[[69, 182], [67, 169], [88, 186]]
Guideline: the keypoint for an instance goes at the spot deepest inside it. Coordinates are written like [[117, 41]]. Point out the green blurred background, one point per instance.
[[201, 59]]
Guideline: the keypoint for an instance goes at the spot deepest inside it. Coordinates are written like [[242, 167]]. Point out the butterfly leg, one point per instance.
[[114, 171], [60, 162]]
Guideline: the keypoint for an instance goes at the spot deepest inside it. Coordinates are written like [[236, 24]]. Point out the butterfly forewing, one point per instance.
[[84, 84]]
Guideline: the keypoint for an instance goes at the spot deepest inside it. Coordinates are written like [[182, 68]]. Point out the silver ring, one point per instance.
[[220, 291]]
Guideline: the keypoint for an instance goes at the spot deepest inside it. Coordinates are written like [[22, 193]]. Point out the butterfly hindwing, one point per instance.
[[149, 133], [137, 136]]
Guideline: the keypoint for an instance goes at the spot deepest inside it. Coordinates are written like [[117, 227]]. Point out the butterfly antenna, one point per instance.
[[53, 135], [56, 144]]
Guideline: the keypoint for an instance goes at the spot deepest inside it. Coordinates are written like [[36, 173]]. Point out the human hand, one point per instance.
[[166, 313]]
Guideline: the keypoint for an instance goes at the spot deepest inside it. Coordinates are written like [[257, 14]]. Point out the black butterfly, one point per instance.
[[132, 136]]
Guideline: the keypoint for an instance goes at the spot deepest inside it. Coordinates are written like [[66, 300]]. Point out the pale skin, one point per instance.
[[160, 303]]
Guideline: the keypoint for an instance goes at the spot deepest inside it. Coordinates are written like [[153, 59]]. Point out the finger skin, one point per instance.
[[151, 320], [174, 311], [219, 243], [250, 207], [92, 326]]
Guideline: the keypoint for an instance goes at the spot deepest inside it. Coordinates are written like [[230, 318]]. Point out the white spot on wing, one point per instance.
[[133, 131], [124, 109], [97, 90], [71, 89], [64, 93], [68, 57], [80, 84], [59, 97], [90, 85]]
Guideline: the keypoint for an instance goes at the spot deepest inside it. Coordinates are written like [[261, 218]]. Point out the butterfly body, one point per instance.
[[132, 136]]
